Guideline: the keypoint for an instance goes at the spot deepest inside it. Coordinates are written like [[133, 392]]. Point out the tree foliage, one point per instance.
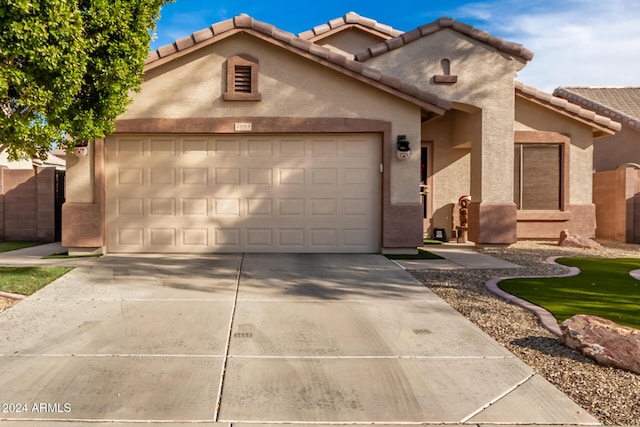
[[67, 68]]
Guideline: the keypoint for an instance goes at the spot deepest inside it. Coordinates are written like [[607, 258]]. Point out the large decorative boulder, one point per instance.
[[572, 240], [603, 340]]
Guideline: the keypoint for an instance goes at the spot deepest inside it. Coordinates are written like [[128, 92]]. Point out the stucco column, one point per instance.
[[492, 214], [83, 210]]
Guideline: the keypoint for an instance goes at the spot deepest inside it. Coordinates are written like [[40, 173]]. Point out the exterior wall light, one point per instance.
[[404, 147], [81, 150]]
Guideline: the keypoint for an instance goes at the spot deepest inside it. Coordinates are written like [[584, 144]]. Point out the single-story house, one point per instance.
[[616, 159], [349, 137]]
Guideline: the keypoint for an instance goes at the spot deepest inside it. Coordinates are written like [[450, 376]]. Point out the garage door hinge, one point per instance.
[[381, 168]]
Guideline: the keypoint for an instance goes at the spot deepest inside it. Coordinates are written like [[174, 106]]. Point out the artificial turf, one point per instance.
[[603, 288]]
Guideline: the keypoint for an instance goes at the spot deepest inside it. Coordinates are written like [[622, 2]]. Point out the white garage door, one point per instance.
[[243, 193]]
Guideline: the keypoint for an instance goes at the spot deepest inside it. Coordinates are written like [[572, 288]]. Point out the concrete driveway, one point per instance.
[[255, 339]]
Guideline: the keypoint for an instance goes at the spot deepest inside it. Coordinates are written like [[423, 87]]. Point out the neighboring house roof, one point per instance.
[[601, 123], [621, 104], [510, 48], [351, 19], [56, 157], [305, 48]]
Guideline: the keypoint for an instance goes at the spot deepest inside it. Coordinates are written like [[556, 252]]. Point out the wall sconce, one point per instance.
[[81, 150], [404, 147]]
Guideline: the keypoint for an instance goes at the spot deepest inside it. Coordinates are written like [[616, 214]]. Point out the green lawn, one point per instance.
[[12, 246], [27, 280], [603, 288]]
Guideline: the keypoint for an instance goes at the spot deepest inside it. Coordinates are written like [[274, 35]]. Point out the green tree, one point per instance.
[[67, 68]]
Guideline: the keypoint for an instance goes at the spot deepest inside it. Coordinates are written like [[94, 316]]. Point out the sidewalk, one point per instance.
[[34, 256], [455, 256]]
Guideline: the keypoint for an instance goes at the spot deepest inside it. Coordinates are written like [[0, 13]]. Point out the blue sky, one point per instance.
[[576, 42]]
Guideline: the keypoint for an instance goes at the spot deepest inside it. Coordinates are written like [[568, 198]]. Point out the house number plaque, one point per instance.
[[242, 127]]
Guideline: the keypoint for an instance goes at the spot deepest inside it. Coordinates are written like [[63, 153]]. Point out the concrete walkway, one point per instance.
[[258, 339], [455, 257]]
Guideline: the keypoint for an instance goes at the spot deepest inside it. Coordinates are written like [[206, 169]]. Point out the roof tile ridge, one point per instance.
[[567, 105], [512, 48], [605, 110], [347, 19], [242, 21]]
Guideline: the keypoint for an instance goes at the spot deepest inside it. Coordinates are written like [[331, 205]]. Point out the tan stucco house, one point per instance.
[[247, 138]]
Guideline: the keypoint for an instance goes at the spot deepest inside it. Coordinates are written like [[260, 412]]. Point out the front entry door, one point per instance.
[[426, 189]]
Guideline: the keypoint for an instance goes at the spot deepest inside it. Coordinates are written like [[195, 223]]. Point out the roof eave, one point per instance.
[[599, 108], [510, 48], [597, 129]]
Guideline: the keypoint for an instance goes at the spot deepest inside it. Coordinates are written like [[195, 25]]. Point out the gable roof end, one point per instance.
[[305, 48], [619, 104], [350, 18], [603, 125], [514, 49]]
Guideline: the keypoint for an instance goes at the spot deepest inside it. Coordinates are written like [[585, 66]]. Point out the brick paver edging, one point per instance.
[[546, 318]]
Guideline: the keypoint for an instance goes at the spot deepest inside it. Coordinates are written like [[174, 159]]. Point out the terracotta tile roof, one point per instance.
[[568, 108], [303, 47], [621, 104], [350, 19], [510, 48]]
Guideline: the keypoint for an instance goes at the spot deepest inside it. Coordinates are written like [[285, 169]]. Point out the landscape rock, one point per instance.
[[569, 239], [604, 341]]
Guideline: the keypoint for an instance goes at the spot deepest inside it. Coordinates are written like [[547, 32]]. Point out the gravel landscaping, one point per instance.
[[6, 303], [611, 395]]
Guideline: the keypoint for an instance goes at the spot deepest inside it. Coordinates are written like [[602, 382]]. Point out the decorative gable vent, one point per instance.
[[242, 79]]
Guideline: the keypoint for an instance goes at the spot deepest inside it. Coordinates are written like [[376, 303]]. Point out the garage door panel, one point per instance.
[[259, 193]]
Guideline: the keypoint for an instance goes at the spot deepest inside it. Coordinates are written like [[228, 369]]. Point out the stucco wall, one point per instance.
[[80, 178], [352, 40], [530, 116], [612, 151]]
